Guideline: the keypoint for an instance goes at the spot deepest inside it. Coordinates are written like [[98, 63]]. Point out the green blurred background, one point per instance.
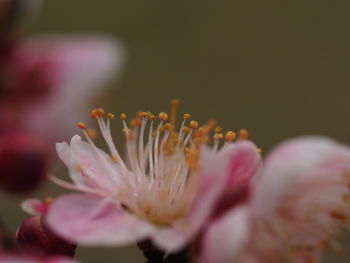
[[277, 68]]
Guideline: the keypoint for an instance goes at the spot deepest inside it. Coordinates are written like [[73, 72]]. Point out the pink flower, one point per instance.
[[299, 204], [56, 77], [167, 189]]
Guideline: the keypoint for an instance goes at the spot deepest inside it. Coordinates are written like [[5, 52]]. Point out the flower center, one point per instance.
[[160, 172]]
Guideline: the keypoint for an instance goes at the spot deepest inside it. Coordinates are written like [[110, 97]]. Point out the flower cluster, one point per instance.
[[202, 193], [183, 192]]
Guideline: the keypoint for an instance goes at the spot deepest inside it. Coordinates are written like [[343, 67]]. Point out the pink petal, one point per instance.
[[216, 171], [89, 220], [295, 161], [244, 163], [301, 199], [34, 206], [226, 237], [81, 66], [87, 167]]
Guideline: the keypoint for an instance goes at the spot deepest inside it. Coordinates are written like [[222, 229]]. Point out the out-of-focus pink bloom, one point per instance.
[[35, 238], [167, 190], [299, 204], [22, 258], [56, 77], [23, 162]]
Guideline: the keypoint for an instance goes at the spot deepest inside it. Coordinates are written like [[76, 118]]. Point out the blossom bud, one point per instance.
[[35, 238], [28, 76], [23, 163]]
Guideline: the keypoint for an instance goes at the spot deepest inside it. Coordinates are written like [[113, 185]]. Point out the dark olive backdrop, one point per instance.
[[278, 68]]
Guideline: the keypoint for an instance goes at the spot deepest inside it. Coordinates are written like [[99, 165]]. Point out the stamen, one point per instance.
[[218, 130], [135, 122], [163, 116], [110, 116], [187, 116], [143, 114], [186, 129], [159, 164], [243, 134], [192, 159], [81, 125], [194, 124], [174, 104], [97, 113], [218, 136], [230, 136]]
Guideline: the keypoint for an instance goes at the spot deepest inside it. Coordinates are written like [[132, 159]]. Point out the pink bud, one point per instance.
[[28, 76], [35, 238], [23, 163]]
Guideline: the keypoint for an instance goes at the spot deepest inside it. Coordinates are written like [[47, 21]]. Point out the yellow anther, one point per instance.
[[218, 136], [259, 150], [81, 125], [163, 116], [187, 116], [186, 129], [135, 122], [152, 117], [143, 114], [110, 116], [218, 130], [194, 124], [243, 134], [97, 113], [94, 113], [91, 133], [174, 102], [123, 116], [230, 136], [167, 126]]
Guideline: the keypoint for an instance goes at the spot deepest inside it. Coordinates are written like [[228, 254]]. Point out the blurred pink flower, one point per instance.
[[299, 203], [169, 188], [56, 77]]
